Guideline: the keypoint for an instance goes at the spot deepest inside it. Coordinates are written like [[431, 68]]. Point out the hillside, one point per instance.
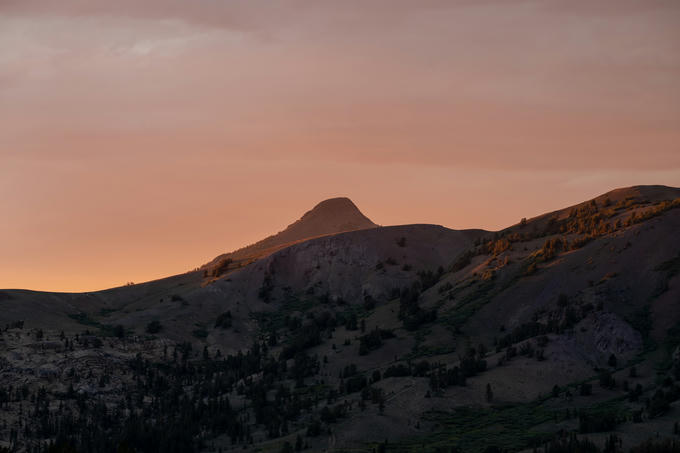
[[562, 331]]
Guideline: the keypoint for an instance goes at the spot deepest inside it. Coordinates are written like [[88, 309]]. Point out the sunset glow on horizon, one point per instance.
[[141, 139]]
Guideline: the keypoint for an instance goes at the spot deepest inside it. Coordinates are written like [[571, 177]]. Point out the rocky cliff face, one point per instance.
[[373, 262]]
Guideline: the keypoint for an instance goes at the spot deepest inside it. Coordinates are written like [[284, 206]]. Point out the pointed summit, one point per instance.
[[335, 215], [332, 216]]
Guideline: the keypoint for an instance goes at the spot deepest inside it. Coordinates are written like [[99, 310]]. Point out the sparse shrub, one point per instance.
[[489, 393], [660, 402], [581, 241], [500, 246], [606, 380], [635, 393], [313, 429], [351, 322], [200, 333], [222, 267], [641, 320], [612, 361], [571, 444], [399, 370], [553, 246], [369, 302], [355, 384], [373, 340], [445, 287], [429, 278], [462, 261], [531, 269], [657, 446], [597, 421], [562, 300], [420, 369], [409, 310], [265, 292], [154, 327], [286, 448], [305, 337], [224, 320], [522, 332], [527, 349]]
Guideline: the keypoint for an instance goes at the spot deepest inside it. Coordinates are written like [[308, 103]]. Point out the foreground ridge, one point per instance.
[[561, 332]]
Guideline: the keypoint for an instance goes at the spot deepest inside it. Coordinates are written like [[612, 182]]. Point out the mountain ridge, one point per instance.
[[418, 334]]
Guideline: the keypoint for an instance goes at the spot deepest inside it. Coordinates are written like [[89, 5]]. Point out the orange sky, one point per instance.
[[141, 139]]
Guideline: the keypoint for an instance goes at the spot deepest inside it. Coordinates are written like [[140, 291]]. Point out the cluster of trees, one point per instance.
[[572, 444], [224, 320], [373, 340], [588, 221], [154, 327], [186, 407], [265, 292], [657, 446], [598, 421], [429, 278], [553, 246], [463, 261], [661, 400], [652, 212], [221, 267], [563, 317], [179, 403], [14, 325], [411, 313], [470, 364]]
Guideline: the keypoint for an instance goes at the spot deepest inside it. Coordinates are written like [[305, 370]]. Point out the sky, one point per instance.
[[141, 139]]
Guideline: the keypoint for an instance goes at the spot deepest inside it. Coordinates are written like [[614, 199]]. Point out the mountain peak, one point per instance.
[[331, 216], [336, 202], [339, 209], [334, 215]]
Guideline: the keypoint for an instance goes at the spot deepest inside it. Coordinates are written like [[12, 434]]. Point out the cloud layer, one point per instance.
[[228, 105]]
